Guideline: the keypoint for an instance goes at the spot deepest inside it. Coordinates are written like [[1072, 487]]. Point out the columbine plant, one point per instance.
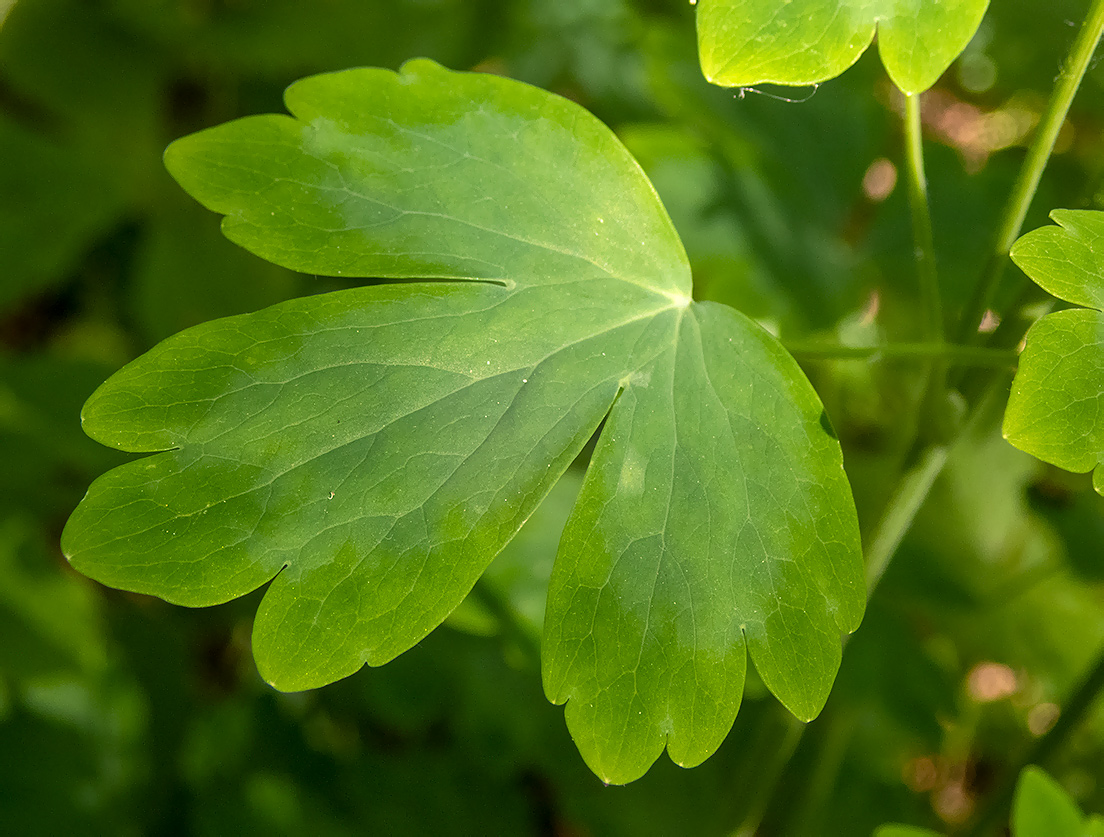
[[368, 452]]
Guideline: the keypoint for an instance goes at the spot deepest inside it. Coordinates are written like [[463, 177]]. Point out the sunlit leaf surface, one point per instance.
[[746, 42], [1042, 808], [370, 451], [1054, 410]]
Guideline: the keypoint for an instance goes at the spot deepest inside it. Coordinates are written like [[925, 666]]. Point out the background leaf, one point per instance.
[[747, 42], [1054, 407], [905, 831], [1042, 808]]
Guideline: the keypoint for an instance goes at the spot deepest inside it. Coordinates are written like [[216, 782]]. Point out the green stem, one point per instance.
[[901, 510], [895, 522], [921, 222], [917, 482], [914, 486], [1019, 201], [951, 353], [827, 761], [1080, 702], [763, 791], [1076, 709], [932, 406]]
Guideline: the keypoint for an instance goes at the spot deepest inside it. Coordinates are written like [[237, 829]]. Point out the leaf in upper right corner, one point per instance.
[[800, 42], [1042, 808], [1055, 407]]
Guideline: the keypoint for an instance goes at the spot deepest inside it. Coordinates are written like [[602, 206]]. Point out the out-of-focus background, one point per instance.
[[120, 714]]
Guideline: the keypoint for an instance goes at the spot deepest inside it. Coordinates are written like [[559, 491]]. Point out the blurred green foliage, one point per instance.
[[123, 715]]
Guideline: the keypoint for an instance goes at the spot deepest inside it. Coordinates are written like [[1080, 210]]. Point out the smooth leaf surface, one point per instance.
[[747, 42], [669, 565], [1042, 808], [1054, 410], [370, 451], [1066, 260]]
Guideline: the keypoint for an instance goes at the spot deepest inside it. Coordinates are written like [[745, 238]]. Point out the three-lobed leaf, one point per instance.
[[370, 451], [1054, 410], [796, 42]]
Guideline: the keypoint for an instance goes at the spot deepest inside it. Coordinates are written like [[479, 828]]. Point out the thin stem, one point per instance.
[[950, 353], [1080, 702], [895, 522], [1023, 192], [932, 405], [901, 510], [763, 792], [921, 222], [917, 482], [1078, 707], [827, 761]]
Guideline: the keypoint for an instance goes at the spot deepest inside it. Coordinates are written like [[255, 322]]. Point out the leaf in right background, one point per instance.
[[1043, 808], [1056, 407]]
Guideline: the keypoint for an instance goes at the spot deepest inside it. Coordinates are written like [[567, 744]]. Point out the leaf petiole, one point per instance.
[[921, 222]]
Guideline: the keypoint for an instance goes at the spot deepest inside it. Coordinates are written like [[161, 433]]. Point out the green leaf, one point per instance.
[[1054, 407], [370, 451], [668, 567], [747, 42], [519, 575], [1065, 260], [895, 830], [1042, 808]]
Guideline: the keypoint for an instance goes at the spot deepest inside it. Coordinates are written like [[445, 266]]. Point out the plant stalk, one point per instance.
[[932, 406], [831, 750], [917, 482], [950, 353], [762, 793], [901, 510], [1027, 182], [923, 238]]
